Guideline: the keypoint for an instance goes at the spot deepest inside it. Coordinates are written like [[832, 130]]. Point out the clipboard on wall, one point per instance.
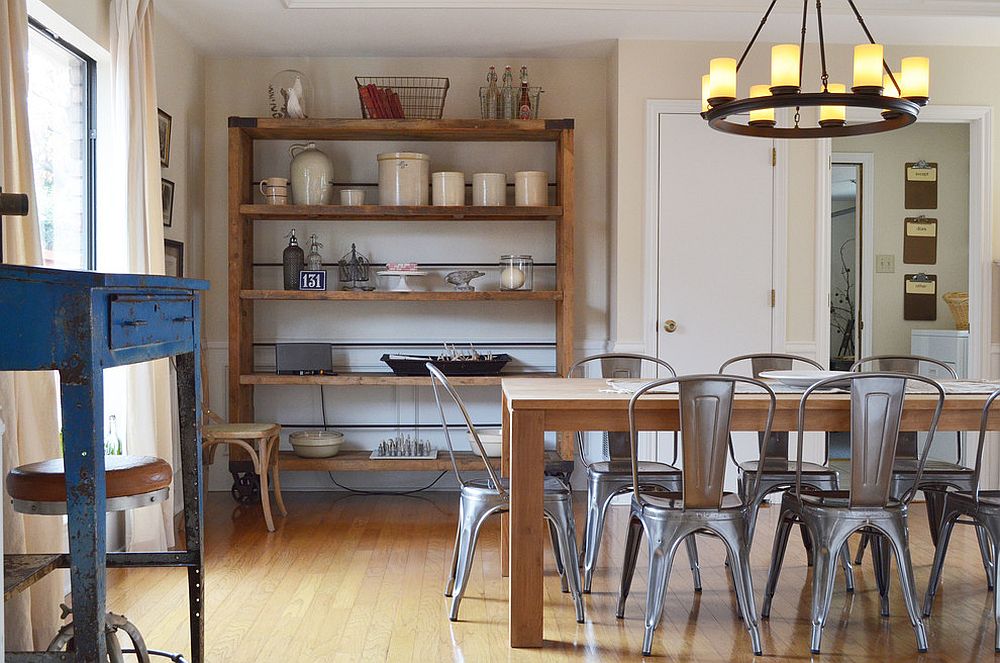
[[920, 297], [921, 185], [920, 241]]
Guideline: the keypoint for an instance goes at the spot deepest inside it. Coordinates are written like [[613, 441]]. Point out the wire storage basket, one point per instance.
[[958, 302], [534, 94], [420, 97]]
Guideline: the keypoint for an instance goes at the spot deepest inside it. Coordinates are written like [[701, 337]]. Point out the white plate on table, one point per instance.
[[801, 379]]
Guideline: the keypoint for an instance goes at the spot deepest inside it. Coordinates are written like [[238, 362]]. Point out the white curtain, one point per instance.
[[149, 409], [29, 402]]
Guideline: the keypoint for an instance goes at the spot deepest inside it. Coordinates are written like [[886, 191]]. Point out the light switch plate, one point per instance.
[[885, 264]]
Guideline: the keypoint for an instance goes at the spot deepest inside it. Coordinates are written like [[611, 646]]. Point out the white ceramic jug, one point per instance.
[[312, 175]]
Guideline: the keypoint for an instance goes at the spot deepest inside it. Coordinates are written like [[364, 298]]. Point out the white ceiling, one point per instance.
[[548, 28]]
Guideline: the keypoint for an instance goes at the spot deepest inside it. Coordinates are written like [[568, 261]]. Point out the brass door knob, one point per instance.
[[670, 326]]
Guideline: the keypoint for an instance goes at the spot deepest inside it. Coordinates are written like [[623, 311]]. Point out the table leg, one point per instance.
[[83, 456], [527, 526], [505, 472], [192, 475]]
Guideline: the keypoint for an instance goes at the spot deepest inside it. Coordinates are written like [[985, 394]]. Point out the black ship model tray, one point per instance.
[[484, 365]]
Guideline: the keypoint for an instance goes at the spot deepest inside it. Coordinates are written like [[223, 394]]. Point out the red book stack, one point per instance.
[[381, 103]]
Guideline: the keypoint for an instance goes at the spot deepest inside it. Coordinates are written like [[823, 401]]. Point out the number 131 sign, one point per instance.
[[312, 280]]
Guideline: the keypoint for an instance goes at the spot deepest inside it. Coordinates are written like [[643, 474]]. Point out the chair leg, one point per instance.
[[597, 504], [692, 551], [934, 505], [986, 551], [469, 534], [633, 537], [785, 522], [828, 542], [558, 554], [564, 529], [947, 526], [807, 544], [880, 558], [738, 547], [845, 562], [661, 558], [454, 551], [860, 556], [276, 476], [265, 493], [897, 537]]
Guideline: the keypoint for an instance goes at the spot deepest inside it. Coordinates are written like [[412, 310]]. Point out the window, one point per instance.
[[61, 121]]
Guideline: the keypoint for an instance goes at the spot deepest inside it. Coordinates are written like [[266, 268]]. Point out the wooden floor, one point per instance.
[[359, 578]]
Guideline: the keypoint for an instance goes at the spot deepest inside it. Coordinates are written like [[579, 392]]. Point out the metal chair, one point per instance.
[[701, 506], [482, 498], [833, 516], [938, 474], [778, 473], [613, 476], [983, 507]]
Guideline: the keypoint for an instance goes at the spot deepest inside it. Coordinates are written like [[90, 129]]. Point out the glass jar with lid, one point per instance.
[[516, 272]]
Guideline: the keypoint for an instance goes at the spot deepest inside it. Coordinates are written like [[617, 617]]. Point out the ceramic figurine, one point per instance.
[[461, 279]]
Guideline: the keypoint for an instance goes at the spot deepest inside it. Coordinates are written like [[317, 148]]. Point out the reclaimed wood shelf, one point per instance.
[[381, 379], [22, 571], [402, 213], [389, 296], [265, 128], [358, 460]]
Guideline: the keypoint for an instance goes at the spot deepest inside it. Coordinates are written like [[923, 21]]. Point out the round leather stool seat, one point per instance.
[[130, 482]]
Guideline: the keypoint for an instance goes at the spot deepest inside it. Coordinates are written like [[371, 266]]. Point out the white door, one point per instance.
[[716, 222]]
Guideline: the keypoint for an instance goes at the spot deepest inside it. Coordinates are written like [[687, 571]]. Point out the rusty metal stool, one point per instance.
[[131, 482]]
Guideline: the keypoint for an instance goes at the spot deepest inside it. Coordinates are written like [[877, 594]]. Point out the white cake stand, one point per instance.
[[401, 284]]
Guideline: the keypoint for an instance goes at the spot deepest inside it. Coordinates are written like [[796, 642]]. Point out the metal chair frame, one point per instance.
[[604, 483], [876, 409], [699, 507], [482, 499], [984, 513]]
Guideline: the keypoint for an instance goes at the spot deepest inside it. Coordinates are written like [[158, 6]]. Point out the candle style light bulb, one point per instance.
[[784, 69], [833, 116], [722, 80], [868, 67], [765, 116], [705, 87], [915, 81]]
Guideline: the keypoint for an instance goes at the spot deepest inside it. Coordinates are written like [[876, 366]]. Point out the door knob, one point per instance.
[[670, 326]]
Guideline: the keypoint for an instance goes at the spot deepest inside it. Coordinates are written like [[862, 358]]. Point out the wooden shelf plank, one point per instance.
[[22, 571], [357, 460], [380, 379], [389, 296], [430, 130], [412, 213]]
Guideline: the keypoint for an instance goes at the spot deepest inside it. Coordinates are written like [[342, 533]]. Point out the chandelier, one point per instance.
[[898, 95]]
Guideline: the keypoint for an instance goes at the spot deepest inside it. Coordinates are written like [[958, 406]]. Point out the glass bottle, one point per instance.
[[292, 260], [112, 440], [507, 95], [492, 95], [524, 105], [314, 261]]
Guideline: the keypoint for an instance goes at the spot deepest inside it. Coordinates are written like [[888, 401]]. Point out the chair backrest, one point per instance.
[[983, 429], [706, 409], [911, 364], [876, 411], [625, 366], [440, 382], [775, 451]]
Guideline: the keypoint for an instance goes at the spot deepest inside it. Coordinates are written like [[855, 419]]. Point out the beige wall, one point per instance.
[[88, 16], [671, 70], [948, 145]]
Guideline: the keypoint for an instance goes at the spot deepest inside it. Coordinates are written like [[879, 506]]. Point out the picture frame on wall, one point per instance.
[[173, 258], [164, 124], [167, 193]]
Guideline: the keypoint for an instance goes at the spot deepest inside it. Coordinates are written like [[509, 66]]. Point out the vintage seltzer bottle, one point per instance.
[[524, 104]]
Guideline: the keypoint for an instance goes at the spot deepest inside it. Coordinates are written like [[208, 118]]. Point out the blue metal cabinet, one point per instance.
[[79, 323]]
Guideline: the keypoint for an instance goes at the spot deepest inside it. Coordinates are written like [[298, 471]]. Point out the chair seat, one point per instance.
[[909, 466], [479, 487], [675, 502], [125, 476], [989, 498], [837, 499], [240, 431], [786, 467], [625, 467]]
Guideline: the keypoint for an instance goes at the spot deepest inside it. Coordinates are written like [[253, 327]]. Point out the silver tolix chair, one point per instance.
[[868, 505], [612, 476], [482, 498], [939, 475], [701, 506], [983, 508]]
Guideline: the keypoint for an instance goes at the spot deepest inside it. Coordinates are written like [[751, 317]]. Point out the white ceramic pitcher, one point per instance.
[[312, 175]]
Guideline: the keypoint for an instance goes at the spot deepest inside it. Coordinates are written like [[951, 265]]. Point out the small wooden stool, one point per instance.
[[260, 441]]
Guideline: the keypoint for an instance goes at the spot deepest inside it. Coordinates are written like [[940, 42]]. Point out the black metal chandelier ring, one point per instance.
[[896, 113]]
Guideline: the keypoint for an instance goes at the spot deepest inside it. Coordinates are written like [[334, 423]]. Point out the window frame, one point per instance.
[[90, 65]]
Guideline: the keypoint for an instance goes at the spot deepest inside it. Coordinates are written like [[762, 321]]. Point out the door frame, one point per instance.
[[651, 236], [867, 269]]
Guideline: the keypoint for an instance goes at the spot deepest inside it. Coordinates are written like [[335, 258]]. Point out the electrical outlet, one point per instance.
[[885, 264]]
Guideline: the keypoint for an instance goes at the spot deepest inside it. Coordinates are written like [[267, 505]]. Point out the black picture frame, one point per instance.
[[167, 195], [164, 125], [173, 258]]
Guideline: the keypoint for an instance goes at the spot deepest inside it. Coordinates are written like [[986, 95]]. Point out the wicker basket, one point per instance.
[[958, 302], [422, 97]]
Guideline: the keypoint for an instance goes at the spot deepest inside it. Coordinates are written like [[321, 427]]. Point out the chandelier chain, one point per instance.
[[822, 45], [802, 45], [756, 34]]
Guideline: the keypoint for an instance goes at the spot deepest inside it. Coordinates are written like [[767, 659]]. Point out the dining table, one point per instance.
[[534, 406]]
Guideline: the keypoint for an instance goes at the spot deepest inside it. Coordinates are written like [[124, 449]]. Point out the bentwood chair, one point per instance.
[[779, 471], [701, 506], [983, 507], [482, 498], [938, 475], [832, 516], [612, 475]]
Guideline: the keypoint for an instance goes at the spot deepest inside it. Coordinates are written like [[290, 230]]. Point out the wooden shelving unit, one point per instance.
[[244, 215]]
